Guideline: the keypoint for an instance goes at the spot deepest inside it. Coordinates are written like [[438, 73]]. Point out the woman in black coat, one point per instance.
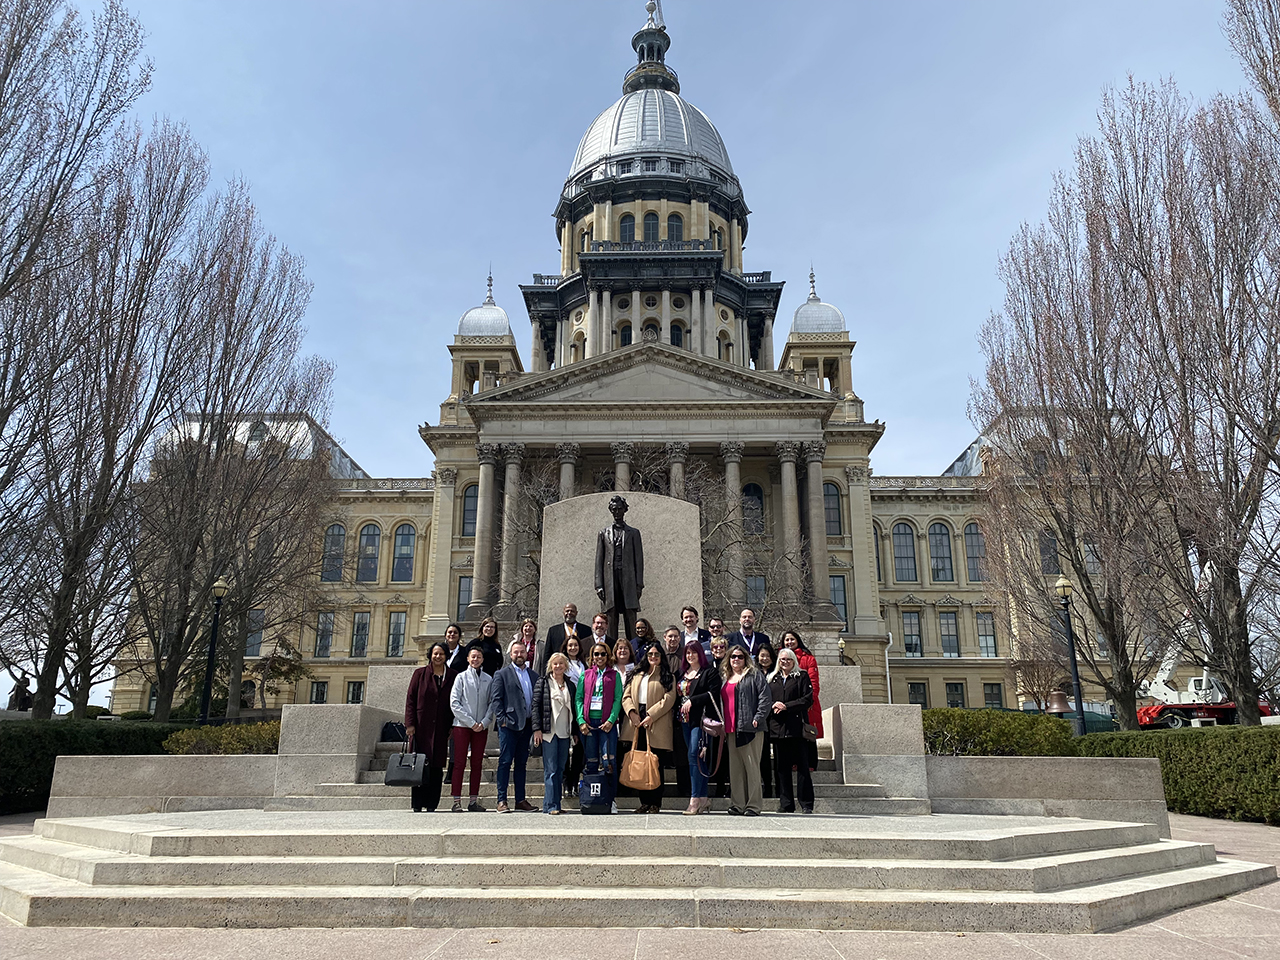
[[792, 697], [428, 722], [489, 645], [698, 687]]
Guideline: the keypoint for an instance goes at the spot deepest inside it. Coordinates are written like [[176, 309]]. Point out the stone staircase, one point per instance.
[[376, 868], [831, 794]]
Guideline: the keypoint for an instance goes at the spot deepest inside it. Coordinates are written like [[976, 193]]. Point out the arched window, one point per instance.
[[677, 335], [627, 228], [904, 552], [753, 509], [831, 509], [654, 329], [975, 550], [675, 227], [940, 553], [719, 239], [402, 555], [624, 335], [650, 228], [469, 498], [335, 543], [367, 558], [875, 535], [583, 241]]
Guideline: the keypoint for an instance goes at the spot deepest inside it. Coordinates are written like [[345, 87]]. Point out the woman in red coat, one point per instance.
[[809, 664], [428, 721]]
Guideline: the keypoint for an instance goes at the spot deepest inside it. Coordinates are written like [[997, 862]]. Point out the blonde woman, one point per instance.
[[792, 697], [554, 726], [746, 702]]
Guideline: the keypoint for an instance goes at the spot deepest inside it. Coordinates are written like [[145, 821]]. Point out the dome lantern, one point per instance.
[[651, 44]]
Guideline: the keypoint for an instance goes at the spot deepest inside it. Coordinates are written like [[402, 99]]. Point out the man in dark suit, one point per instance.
[[557, 635], [747, 635], [689, 617], [599, 634], [513, 713]]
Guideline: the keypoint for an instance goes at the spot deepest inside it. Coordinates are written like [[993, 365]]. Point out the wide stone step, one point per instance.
[[405, 834], [38, 899], [108, 868], [533, 780]]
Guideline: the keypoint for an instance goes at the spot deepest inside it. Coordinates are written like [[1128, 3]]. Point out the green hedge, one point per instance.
[[28, 749], [1232, 773], [953, 732], [227, 739]]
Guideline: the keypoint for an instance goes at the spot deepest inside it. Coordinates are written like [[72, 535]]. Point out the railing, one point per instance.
[[650, 246], [424, 483], [761, 277], [650, 66], [547, 279]]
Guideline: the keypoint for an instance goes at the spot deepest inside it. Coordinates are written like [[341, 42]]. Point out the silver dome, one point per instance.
[[814, 316], [486, 320], [650, 122]]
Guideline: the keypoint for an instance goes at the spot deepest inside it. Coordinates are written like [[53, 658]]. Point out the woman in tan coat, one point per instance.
[[646, 709]]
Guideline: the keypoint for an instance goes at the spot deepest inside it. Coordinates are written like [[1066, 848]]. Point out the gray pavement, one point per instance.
[[1246, 925]]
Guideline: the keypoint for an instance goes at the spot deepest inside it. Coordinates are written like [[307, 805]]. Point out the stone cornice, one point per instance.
[[724, 410]]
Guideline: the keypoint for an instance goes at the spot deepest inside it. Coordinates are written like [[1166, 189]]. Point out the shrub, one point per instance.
[[135, 715], [956, 732], [93, 711], [227, 739], [1232, 773], [28, 749]]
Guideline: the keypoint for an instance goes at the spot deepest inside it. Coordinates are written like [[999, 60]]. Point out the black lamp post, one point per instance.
[[1063, 589], [220, 589]]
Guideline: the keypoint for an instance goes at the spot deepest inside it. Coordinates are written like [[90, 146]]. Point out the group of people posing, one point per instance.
[[585, 698]]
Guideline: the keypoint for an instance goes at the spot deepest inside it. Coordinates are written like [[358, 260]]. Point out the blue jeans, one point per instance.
[[697, 768], [596, 742], [555, 754], [513, 745]]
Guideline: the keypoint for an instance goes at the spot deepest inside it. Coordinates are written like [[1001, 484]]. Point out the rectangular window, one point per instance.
[[947, 630], [649, 166], [624, 166], [918, 693], [755, 591], [993, 696], [1049, 565], [395, 633], [675, 166], [1092, 562], [253, 642], [324, 633], [838, 598], [355, 691], [987, 635], [319, 691], [464, 597], [911, 633], [955, 694], [360, 634]]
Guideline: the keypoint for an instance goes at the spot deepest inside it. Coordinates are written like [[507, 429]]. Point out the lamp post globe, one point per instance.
[[1063, 589], [220, 589]]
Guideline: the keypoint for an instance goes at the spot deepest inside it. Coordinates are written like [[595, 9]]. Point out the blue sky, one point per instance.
[[402, 147]]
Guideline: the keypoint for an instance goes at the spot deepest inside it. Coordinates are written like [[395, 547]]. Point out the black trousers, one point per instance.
[[427, 796], [791, 751], [677, 758], [767, 781]]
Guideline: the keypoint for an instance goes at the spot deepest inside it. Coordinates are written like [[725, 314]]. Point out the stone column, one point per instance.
[[567, 453], [695, 320], [766, 344], [677, 454], [606, 319], [592, 346], [482, 557], [637, 316], [731, 453], [513, 453], [622, 453], [537, 351], [814, 451], [436, 614], [735, 246], [666, 313], [787, 452]]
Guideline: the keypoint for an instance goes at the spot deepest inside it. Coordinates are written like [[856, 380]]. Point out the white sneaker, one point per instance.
[[613, 808]]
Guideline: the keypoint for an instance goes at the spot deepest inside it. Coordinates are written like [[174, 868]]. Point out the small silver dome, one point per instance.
[[486, 320], [650, 122], [814, 316]]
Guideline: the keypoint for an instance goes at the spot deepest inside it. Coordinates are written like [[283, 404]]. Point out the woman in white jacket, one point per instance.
[[472, 702]]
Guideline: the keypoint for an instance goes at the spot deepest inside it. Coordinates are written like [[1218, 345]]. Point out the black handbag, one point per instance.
[[405, 769], [392, 732], [809, 731]]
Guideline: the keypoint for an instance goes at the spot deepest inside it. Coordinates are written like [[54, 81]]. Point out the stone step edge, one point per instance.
[[1039, 874], [34, 899]]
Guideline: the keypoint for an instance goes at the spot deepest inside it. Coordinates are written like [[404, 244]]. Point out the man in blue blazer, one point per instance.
[[747, 635], [513, 710]]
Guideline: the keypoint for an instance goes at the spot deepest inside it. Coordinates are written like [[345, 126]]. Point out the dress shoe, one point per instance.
[[502, 807], [806, 809], [417, 809], [751, 813], [526, 806], [474, 807], [735, 812], [554, 813]]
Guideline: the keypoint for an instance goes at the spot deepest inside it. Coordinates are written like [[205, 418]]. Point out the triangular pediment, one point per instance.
[[652, 373]]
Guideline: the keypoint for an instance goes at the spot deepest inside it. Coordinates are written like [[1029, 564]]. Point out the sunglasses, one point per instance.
[[598, 655], [736, 656]]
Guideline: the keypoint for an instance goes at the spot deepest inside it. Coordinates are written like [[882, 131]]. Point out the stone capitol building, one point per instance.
[[659, 364]]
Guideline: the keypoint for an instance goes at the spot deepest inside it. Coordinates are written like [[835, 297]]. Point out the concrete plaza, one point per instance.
[[1245, 925]]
